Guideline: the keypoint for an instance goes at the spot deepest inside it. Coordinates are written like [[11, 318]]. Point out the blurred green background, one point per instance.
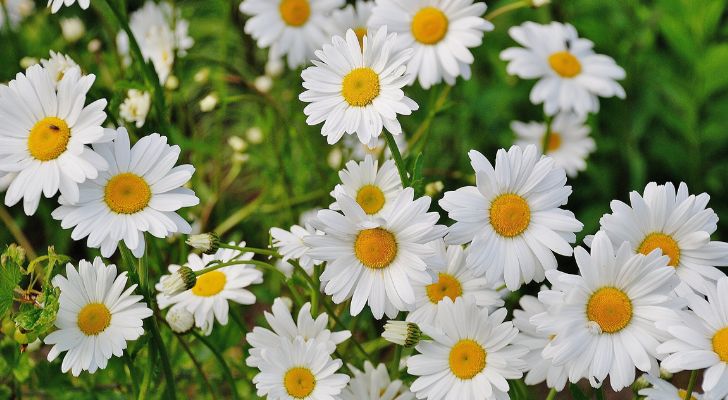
[[672, 127]]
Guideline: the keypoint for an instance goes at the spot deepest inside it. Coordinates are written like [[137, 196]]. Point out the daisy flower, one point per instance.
[[55, 5], [292, 28], [208, 299], [441, 32], [375, 384], [513, 216], [44, 135], [161, 33], [284, 327], [357, 91], [17, 11], [571, 75], [568, 144], [454, 280], [700, 340], [96, 318], [290, 245], [299, 369], [135, 107], [355, 17], [539, 368], [664, 390], [372, 187], [470, 355], [376, 260], [607, 315], [58, 64], [141, 192], [676, 223]]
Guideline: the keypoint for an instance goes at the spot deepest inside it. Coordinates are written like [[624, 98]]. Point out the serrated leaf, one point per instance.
[[11, 273], [39, 319]]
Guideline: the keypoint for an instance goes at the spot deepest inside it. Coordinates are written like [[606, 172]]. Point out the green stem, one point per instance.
[[147, 379], [264, 252], [315, 292], [397, 156], [600, 393], [239, 262], [691, 385], [197, 364], [223, 364], [546, 136], [552, 394], [134, 380], [394, 367], [434, 110], [508, 8], [17, 233]]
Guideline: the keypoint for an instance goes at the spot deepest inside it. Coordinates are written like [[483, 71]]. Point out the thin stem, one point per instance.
[[17, 232], [134, 380], [197, 364], [264, 252], [436, 108], [600, 393], [691, 385], [546, 136], [239, 262], [508, 8], [147, 379], [394, 367], [397, 157], [315, 292], [166, 366], [223, 364], [552, 394]]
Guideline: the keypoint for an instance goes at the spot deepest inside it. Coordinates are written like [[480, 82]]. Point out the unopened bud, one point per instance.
[[207, 242], [403, 333], [179, 281]]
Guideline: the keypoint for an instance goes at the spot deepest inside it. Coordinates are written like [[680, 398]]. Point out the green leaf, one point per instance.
[[37, 320], [577, 393], [11, 273]]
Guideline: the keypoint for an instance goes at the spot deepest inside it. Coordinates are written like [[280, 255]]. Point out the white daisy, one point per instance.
[[58, 64], [6, 180], [355, 17], [17, 11], [298, 369], [375, 384], [441, 32], [141, 192], [513, 216], [208, 299], [470, 355], [664, 390], [372, 187], [284, 327], [290, 245], [539, 368], [44, 135], [161, 33], [453, 281], [355, 92], [96, 316], [571, 76], [606, 316], [292, 28], [569, 143], [376, 260], [676, 223], [700, 340], [56, 5], [135, 107]]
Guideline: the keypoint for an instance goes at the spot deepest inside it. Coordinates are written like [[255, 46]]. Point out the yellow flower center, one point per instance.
[[93, 319], [48, 139], [360, 33], [429, 25], [565, 64], [360, 87], [375, 248], [666, 243], [467, 359], [295, 12], [370, 198], [446, 285], [682, 392], [720, 344], [554, 142], [299, 382], [510, 215], [127, 193], [209, 284], [611, 308]]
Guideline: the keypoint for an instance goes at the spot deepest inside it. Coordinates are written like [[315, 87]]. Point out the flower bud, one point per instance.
[[207, 242], [179, 319], [179, 281], [403, 333]]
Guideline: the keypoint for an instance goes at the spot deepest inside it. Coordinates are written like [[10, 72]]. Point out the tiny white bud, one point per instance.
[[237, 143], [179, 319], [178, 281], [403, 333], [202, 75], [72, 29], [172, 83], [254, 135], [27, 62], [209, 102], [334, 158], [263, 83], [434, 188], [274, 67], [94, 45], [135, 107], [539, 3]]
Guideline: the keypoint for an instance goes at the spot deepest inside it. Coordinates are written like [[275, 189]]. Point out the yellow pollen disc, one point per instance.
[[370, 198], [467, 359], [720, 344], [127, 193], [360, 87], [299, 382], [375, 248], [209, 284], [682, 392], [93, 319], [666, 243], [510, 215], [295, 12], [610, 308], [554, 142], [446, 285], [360, 33], [48, 139], [429, 25], [565, 64]]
